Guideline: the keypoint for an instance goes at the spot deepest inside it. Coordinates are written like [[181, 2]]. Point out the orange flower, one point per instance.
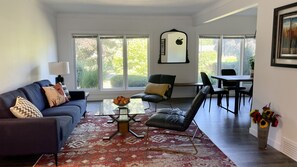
[[267, 116]]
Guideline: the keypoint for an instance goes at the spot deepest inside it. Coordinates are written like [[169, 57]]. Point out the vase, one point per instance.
[[263, 137]]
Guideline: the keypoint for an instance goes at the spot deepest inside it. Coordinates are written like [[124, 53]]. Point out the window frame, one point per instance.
[[82, 35], [220, 50], [100, 60]]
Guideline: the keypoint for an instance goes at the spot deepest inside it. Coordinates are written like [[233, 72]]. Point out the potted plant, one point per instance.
[[252, 65]]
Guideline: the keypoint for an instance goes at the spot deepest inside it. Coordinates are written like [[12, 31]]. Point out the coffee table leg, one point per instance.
[[123, 127], [112, 119], [109, 137], [133, 118], [135, 134]]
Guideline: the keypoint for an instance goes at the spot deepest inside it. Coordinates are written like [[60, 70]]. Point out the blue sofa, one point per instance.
[[44, 135]]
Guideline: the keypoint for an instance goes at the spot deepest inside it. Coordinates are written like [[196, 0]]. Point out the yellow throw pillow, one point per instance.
[[54, 98], [159, 89]]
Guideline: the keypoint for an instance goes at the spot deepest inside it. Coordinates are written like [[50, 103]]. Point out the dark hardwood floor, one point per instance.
[[230, 133]]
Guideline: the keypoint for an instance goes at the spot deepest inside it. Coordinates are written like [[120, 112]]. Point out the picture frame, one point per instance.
[[163, 46], [284, 36]]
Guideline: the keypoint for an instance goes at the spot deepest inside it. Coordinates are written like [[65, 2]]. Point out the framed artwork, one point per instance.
[[284, 37], [163, 46]]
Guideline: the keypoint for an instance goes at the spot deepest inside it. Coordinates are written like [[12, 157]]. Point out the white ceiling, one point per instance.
[[135, 7]]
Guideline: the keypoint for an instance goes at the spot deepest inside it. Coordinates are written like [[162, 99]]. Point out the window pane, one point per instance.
[[86, 62], [112, 61], [137, 50], [249, 51], [231, 54], [208, 55]]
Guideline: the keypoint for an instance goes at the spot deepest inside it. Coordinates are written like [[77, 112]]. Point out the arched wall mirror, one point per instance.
[[173, 47]]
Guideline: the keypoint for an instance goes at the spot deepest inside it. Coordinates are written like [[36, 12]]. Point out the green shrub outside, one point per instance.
[[133, 81], [87, 79]]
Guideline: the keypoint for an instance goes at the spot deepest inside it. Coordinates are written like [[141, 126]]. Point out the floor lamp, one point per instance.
[[59, 68]]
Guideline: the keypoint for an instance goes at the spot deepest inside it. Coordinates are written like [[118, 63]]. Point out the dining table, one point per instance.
[[233, 78]]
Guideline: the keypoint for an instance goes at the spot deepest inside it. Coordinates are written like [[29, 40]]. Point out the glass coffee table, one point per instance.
[[122, 115]]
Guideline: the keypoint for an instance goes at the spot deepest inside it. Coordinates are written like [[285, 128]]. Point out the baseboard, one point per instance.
[[290, 148], [253, 132]]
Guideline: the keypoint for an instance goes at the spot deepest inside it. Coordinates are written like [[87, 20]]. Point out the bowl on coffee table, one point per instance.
[[121, 101]]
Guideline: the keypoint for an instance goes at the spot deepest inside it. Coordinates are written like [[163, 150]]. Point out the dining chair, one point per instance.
[[229, 84], [177, 120], [248, 92], [218, 91]]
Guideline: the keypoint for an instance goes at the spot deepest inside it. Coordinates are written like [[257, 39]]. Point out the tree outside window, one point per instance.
[[123, 61]]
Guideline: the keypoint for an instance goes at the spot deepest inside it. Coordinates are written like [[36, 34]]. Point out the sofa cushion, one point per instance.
[[54, 97], [43, 83], [152, 98], [25, 109], [73, 111], [35, 95], [82, 104], [7, 100]]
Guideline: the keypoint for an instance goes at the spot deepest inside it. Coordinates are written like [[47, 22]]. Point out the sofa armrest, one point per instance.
[[77, 94], [29, 135]]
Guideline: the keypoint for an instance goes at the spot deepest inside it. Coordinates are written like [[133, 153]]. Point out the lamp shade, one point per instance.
[[58, 68]]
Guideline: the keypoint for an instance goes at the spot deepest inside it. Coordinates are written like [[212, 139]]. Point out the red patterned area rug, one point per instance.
[[85, 147]]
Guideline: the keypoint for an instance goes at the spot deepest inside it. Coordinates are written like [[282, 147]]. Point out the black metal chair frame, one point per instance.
[[166, 119], [242, 94]]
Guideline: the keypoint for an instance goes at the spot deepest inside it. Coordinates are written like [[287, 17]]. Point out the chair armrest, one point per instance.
[[24, 136], [77, 94]]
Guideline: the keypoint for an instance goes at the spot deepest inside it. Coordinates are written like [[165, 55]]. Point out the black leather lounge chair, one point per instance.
[[177, 120], [155, 98]]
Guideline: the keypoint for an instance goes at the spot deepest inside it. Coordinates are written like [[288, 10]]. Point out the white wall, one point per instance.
[[27, 42], [153, 26], [274, 84], [231, 25], [222, 9]]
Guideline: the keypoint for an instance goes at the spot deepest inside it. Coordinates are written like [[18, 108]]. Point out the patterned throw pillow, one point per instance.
[[54, 98], [25, 109], [59, 87], [66, 91]]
